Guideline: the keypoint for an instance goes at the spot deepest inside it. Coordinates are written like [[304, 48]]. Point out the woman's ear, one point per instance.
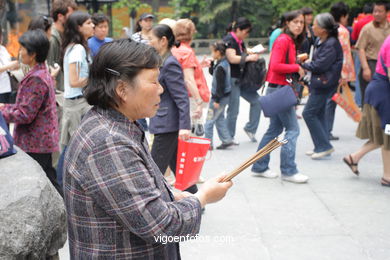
[[121, 90]]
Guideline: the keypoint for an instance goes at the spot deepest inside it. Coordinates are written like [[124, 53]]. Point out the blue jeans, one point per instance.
[[217, 117], [232, 112], [330, 113], [283, 121], [314, 115]]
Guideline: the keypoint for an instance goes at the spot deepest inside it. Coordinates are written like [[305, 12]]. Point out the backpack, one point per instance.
[[252, 73]]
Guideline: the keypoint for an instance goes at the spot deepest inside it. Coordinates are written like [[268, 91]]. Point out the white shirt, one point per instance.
[[5, 58]]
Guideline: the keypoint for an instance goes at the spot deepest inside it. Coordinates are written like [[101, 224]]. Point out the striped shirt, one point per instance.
[[117, 200]]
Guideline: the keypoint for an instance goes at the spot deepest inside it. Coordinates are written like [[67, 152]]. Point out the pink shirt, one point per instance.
[[187, 59], [385, 53]]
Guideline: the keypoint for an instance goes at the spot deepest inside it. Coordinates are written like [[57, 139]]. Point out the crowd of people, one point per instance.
[[85, 101]]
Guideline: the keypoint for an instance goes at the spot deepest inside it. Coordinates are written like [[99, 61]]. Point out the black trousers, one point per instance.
[[45, 161], [164, 154]]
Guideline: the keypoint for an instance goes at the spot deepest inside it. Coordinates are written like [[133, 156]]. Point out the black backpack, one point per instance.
[[252, 73]]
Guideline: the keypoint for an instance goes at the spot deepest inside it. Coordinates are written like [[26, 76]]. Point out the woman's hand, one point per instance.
[[213, 190], [181, 195], [216, 105], [13, 65], [301, 72], [252, 57], [198, 111], [184, 134], [367, 74], [54, 70]]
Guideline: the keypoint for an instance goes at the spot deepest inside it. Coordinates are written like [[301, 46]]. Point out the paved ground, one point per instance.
[[335, 216]]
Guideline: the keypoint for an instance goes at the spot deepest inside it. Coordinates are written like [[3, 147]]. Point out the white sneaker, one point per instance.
[[309, 153], [296, 178], [322, 154], [267, 174]]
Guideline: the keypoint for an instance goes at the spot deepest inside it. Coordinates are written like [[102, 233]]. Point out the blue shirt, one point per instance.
[[94, 44]]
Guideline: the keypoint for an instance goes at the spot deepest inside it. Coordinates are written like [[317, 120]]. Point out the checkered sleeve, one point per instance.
[[121, 182]]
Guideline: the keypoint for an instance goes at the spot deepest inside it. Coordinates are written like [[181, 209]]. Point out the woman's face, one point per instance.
[[157, 43], [318, 31], [242, 34], [142, 99], [25, 57], [87, 28], [296, 25], [146, 24]]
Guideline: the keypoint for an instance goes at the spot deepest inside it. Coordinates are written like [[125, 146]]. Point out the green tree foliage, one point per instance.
[[212, 16]]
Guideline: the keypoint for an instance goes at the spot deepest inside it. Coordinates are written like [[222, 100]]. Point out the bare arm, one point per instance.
[[233, 58], [74, 80], [13, 65], [364, 64], [193, 89]]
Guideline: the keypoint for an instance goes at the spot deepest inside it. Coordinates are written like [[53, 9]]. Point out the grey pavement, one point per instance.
[[335, 216]]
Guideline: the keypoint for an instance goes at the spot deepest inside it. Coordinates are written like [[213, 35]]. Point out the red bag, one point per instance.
[[346, 102], [191, 155]]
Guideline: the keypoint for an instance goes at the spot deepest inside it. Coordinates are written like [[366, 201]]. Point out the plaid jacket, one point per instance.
[[116, 198]]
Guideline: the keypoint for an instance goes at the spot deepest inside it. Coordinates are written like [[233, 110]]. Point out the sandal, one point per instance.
[[351, 164], [385, 182]]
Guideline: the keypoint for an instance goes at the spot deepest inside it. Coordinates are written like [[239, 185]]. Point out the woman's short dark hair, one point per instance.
[[219, 46], [307, 11], [121, 59], [36, 41], [241, 23], [99, 18], [163, 30], [327, 22], [289, 16], [40, 22], [339, 10]]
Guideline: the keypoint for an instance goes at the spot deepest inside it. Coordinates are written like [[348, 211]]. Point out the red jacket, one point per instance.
[[277, 66]]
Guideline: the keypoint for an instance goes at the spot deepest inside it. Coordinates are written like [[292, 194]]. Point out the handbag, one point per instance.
[[346, 101], [278, 101], [6, 141], [191, 155], [283, 98]]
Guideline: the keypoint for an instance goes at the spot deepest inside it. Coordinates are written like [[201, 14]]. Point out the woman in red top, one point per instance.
[[196, 84], [34, 113], [284, 48]]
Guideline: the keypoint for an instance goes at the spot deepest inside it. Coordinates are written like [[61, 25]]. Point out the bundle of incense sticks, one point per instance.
[[262, 152]]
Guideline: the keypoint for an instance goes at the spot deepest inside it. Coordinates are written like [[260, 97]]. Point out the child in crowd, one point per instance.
[[220, 93], [99, 38]]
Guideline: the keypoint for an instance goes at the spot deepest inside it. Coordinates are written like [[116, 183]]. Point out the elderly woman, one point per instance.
[[325, 71], [34, 113], [117, 200], [375, 124], [199, 92]]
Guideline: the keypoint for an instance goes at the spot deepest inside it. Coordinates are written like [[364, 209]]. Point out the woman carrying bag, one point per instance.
[[284, 49], [172, 120], [326, 71]]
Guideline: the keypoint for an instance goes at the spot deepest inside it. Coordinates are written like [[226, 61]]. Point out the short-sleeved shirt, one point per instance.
[[138, 38], [233, 44], [5, 58], [371, 39], [94, 44], [385, 54], [348, 70], [187, 59], [75, 54]]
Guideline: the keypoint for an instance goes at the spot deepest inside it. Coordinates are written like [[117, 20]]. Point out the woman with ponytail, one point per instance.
[[172, 119], [325, 71]]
